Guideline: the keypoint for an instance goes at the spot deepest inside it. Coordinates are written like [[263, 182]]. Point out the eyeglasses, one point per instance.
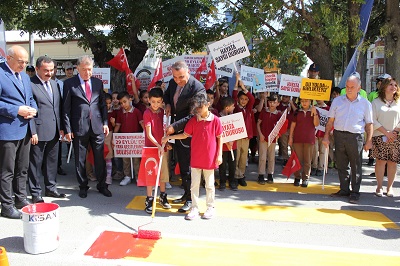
[[21, 62]]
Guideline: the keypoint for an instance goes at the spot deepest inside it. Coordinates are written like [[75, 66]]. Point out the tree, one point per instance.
[[391, 31], [316, 27], [180, 25]]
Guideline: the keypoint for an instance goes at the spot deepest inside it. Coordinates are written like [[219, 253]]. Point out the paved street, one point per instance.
[[275, 224]]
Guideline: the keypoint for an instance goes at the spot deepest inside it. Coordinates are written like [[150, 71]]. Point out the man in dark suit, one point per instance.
[[85, 121], [46, 131], [17, 107], [177, 99]]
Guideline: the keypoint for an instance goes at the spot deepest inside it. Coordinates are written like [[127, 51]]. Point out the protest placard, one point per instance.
[[229, 50], [323, 119], [128, 145], [226, 71], [247, 74], [274, 133], [316, 89], [271, 82], [104, 75], [259, 83], [233, 127], [290, 85]]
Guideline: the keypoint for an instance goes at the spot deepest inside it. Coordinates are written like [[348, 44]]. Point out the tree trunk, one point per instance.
[[320, 52], [362, 69], [352, 28], [392, 41]]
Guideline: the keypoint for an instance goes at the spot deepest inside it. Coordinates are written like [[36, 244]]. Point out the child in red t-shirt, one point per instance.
[[205, 153], [302, 138], [267, 120], [244, 103], [154, 128], [129, 120], [228, 105], [317, 165]]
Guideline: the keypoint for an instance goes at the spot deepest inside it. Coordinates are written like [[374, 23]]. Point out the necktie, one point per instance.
[[18, 77], [177, 93], [48, 89], [88, 91]]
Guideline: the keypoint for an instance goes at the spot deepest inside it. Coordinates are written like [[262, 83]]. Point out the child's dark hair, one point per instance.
[[336, 89], [227, 101], [142, 93], [115, 92], [158, 83], [156, 92], [209, 91], [123, 94], [108, 96], [241, 93], [273, 97], [197, 101]]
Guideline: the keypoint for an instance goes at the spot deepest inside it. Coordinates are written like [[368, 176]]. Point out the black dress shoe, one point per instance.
[[104, 191], [186, 207], [60, 171], [55, 194], [83, 192], [11, 213], [180, 200], [37, 199], [21, 204]]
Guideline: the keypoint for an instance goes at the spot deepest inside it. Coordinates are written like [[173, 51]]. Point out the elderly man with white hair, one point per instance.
[[351, 116]]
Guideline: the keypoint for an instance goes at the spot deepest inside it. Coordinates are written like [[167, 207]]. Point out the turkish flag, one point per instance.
[[119, 61], [211, 77], [202, 68], [129, 79], [148, 167], [292, 165], [158, 75], [284, 128]]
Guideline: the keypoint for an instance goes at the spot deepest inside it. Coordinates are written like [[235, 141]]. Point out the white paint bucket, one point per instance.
[[41, 227]]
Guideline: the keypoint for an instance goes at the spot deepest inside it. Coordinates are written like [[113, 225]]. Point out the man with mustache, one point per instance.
[[46, 131]]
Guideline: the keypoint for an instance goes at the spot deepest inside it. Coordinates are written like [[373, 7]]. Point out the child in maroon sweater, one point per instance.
[[267, 120], [244, 103], [302, 138]]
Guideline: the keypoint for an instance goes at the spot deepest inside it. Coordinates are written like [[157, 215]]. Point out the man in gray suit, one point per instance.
[[46, 131]]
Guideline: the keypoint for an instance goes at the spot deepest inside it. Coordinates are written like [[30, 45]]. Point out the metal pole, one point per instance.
[[31, 43]]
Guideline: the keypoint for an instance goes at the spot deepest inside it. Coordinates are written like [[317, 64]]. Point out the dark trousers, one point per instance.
[[59, 160], [183, 151], [14, 163], [43, 161], [80, 144], [348, 149], [227, 162]]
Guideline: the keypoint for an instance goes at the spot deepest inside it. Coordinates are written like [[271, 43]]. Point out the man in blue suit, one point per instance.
[[46, 131], [17, 107], [85, 121]]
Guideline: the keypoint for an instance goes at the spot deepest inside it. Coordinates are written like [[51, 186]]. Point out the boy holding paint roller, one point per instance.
[[154, 120]]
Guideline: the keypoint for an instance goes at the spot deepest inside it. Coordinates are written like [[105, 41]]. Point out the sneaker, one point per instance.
[[168, 185], [331, 165], [304, 183], [242, 182], [318, 173], [125, 181], [149, 205], [261, 180], [354, 198], [210, 212], [296, 182], [193, 214], [222, 185], [164, 201], [270, 179]]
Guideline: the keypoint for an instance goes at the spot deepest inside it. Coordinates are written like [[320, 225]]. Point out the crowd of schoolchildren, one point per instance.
[[261, 112]]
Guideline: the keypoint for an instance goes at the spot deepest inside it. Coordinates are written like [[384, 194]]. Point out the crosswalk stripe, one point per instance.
[[286, 214]]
